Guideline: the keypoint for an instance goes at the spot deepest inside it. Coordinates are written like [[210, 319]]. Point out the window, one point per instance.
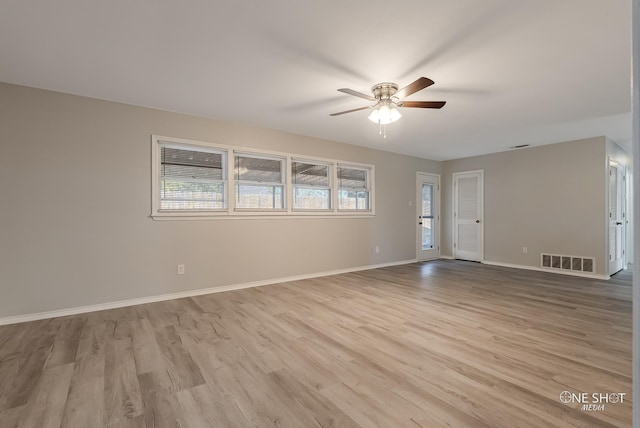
[[353, 188], [427, 218], [311, 185], [192, 178], [259, 182]]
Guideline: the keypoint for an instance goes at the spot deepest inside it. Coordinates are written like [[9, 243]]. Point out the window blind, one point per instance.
[[258, 170], [308, 174], [259, 182], [350, 178], [191, 179], [191, 164]]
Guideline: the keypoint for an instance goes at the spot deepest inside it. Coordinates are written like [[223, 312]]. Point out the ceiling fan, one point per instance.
[[388, 98]]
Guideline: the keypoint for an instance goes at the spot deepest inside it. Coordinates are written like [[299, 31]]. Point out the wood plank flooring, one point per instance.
[[435, 344]]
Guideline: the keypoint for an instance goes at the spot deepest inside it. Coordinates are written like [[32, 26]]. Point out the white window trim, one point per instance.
[[247, 213], [155, 185], [283, 183], [369, 186], [332, 184]]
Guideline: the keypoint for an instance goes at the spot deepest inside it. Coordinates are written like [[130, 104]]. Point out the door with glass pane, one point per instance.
[[428, 216], [468, 211]]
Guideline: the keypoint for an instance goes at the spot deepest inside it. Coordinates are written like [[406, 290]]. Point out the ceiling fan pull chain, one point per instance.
[[382, 129]]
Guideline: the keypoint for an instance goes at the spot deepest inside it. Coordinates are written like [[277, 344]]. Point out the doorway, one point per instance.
[[468, 212], [428, 209], [617, 216]]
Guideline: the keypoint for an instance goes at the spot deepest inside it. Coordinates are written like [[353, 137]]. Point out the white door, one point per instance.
[[468, 219], [616, 217], [428, 210]]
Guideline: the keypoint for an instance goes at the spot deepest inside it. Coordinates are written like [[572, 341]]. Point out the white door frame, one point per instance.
[[420, 178], [455, 176], [613, 266], [628, 224]]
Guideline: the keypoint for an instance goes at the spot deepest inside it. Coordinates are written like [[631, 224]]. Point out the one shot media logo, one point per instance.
[[592, 401]]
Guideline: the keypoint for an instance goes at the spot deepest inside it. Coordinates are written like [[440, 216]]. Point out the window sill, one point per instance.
[[258, 216]]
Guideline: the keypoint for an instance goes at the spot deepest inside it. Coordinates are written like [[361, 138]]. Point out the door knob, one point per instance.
[[618, 223], [477, 221]]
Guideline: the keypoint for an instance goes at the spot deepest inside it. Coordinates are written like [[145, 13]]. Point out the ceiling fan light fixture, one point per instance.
[[374, 116], [385, 113], [394, 114]]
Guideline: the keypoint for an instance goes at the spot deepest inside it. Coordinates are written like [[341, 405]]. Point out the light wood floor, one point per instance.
[[444, 343]]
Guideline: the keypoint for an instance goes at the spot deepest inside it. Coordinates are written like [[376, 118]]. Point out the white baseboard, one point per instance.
[[540, 269], [159, 298], [445, 257]]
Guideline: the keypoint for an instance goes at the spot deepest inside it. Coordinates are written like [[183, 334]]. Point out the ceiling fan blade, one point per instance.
[[349, 111], [357, 94], [422, 104], [414, 87]]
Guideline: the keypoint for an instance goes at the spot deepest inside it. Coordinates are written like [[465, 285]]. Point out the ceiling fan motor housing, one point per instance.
[[384, 91]]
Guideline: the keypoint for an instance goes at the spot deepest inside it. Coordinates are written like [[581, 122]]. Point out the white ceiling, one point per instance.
[[512, 71]]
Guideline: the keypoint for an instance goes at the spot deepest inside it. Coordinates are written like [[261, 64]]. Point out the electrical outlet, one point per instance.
[[180, 269], [524, 250], [377, 249]]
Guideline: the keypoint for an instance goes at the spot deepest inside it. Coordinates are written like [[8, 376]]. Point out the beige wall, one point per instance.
[[75, 227], [548, 198]]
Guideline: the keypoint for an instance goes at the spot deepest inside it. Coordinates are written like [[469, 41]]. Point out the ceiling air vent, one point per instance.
[[568, 263]]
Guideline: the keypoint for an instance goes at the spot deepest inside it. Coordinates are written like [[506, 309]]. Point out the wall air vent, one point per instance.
[[568, 263]]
